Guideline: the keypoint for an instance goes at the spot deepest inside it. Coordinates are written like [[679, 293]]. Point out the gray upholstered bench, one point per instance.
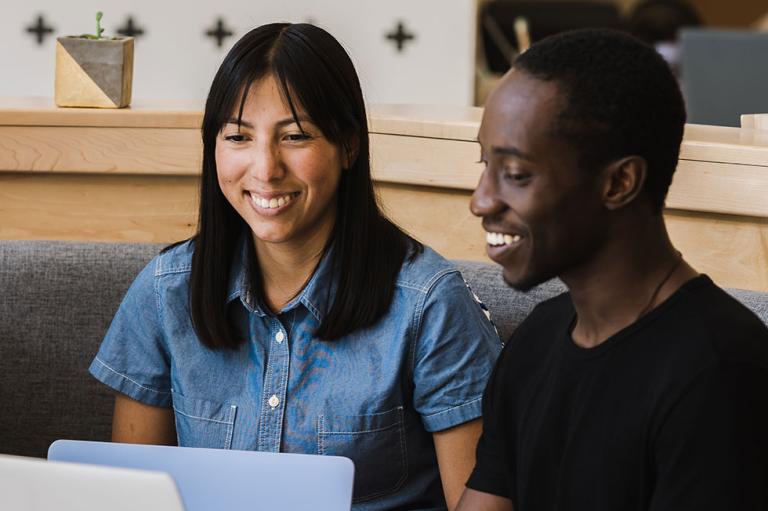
[[56, 302]]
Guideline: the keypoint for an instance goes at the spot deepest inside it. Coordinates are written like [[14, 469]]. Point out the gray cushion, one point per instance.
[[56, 302], [508, 307], [58, 298]]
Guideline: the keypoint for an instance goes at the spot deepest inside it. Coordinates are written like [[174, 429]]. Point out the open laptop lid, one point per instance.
[[215, 479], [32, 484]]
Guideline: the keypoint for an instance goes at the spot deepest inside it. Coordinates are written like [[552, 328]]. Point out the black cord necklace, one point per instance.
[[675, 266]]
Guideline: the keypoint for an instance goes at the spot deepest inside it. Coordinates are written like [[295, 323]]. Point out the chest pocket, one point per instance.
[[202, 423], [376, 445]]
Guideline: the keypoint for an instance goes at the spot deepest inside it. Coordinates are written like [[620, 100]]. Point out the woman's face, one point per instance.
[[281, 181]]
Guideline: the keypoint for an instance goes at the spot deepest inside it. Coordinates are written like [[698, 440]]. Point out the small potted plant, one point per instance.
[[93, 70]]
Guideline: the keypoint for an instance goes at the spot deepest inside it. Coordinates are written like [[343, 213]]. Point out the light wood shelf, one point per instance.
[[133, 174]]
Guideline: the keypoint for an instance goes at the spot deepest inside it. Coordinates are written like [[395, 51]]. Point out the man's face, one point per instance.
[[544, 217]]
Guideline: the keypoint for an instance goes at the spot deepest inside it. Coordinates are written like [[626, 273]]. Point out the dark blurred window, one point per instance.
[[543, 18]]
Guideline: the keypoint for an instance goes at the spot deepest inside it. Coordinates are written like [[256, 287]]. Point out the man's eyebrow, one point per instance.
[[279, 124], [510, 151]]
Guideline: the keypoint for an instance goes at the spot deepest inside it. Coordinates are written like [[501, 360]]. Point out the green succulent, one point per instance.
[[99, 30]]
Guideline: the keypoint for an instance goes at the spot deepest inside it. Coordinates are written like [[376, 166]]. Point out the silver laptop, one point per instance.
[[218, 479], [32, 484]]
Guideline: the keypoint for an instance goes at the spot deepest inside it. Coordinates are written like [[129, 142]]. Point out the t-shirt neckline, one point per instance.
[[616, 339]]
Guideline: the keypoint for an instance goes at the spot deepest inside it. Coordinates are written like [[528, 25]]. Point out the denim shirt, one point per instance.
[[374, 396]]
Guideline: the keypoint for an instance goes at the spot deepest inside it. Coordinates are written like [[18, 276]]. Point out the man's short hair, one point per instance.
[[621, 99]]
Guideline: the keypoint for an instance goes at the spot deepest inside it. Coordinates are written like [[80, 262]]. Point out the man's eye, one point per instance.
[[516, 176], [236, 137]]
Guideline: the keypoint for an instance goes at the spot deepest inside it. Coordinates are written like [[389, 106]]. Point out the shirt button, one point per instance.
[[273, 401], [280, 337]]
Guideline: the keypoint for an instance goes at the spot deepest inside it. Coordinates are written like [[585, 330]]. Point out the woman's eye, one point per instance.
[[296, 137], [236, 137]]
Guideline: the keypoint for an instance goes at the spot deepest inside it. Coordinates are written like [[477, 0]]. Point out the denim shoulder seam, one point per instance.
[[419, 312], [413, 332], [166, 266], [126, 377], [159, 308], [425, 287]]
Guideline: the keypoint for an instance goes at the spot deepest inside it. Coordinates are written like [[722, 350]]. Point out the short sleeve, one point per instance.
[[710, 451], [132, 358], [492, 472], [455, 348]]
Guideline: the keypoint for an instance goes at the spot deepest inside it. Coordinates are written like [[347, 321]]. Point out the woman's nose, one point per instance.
[[265, 163]]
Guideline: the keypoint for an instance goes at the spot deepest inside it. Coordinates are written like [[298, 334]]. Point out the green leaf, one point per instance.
[[99, 30]]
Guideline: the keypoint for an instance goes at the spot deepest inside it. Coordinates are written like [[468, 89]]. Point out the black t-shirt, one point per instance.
[[671, 413]]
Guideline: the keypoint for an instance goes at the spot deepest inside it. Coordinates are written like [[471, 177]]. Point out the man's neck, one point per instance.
[[631, 275]]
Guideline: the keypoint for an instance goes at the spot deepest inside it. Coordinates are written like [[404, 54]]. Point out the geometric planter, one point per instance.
[[94, 72]]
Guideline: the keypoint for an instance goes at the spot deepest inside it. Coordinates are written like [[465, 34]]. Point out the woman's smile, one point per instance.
[[272, 204]]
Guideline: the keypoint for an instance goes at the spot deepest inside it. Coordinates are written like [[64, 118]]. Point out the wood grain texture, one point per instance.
[[732, 250], [35, 111], [438, 217], [117, 181], [425, 161], [755, 121], [720, 188], [101, 150], [97, 207]]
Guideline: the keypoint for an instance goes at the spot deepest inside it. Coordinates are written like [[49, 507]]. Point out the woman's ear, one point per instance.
[[350, 152], [623, 181]]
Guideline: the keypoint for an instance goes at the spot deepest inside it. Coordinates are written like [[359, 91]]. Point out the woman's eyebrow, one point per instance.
[[279, 124], [239, 122]]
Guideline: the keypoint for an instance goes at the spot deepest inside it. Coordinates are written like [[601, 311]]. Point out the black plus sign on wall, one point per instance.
[[40, 29], [219, 33], [400, 36], [130, 29]]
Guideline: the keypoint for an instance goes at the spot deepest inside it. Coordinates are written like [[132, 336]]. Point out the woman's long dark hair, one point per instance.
[[314, 72]]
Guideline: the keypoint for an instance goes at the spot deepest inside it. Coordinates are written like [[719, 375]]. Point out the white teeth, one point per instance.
[[497, 239], [275, 202]]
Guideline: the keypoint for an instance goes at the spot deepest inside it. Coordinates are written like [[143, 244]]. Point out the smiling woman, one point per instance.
[[299, 318], [280, 174]]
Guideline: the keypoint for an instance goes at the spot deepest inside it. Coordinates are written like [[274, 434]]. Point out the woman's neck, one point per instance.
[[287, 267]]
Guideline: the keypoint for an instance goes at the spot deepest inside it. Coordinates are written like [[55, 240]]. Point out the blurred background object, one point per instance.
[[658, 23], [724, 74]]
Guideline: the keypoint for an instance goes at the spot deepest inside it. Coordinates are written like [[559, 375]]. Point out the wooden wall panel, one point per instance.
[[733, 250], [102, 150], [97, 208]]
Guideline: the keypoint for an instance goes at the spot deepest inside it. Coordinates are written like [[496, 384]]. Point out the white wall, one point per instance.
[[175, 60]]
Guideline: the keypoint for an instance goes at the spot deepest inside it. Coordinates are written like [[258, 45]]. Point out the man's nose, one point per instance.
[[484, 201]]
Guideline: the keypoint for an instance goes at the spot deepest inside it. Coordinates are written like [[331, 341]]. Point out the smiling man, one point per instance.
[[645, 387]]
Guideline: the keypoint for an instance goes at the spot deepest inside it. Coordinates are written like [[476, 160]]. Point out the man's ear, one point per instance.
[[623, 181]]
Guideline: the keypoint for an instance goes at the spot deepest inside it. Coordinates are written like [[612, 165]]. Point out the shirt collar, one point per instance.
[[316, 296]]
